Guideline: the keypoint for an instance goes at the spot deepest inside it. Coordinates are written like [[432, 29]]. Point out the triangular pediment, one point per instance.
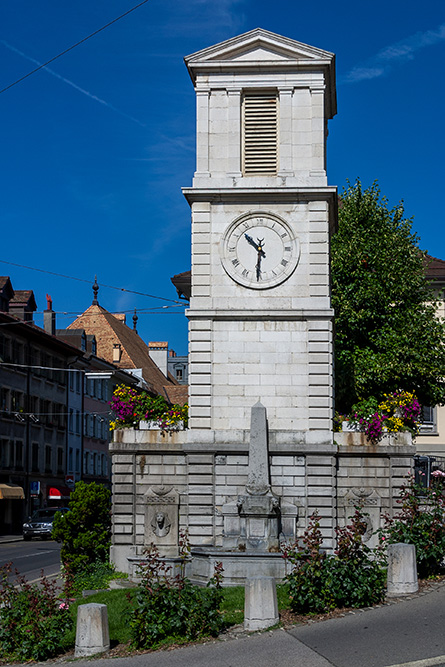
[[259, 45]]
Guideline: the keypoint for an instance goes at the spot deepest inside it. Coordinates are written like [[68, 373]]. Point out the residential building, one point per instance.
[[431, 439], [178, 366], [54, 409], [34, 369], [121, 346]]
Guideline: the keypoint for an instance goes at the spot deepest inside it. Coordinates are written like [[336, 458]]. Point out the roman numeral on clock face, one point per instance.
[[235, 262]]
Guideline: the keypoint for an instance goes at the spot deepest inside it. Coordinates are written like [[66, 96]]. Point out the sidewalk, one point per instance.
[[4, 539]]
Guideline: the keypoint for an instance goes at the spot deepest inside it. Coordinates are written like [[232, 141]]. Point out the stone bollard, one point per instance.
[[260, 606], [402, 570], [92, 635]]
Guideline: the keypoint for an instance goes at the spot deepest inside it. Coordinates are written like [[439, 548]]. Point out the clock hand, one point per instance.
[[250, 240], [258, 267], [260, 248], [261, 254]]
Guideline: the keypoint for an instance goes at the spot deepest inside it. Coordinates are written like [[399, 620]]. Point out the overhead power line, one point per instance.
[[70, 48], [83, 280]]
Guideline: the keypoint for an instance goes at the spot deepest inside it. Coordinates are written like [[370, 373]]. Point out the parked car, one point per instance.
[[41, 523]]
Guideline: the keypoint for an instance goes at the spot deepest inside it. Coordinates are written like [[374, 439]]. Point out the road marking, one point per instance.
[[427, 662], [46, 576], [33, 555]]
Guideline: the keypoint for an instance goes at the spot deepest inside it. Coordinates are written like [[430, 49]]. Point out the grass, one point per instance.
[[119, 607]]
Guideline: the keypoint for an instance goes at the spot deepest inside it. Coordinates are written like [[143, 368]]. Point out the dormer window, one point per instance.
[[260, 133], [116, 352]]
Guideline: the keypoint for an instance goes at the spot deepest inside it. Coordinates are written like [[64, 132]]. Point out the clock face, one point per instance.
[[259, 250]]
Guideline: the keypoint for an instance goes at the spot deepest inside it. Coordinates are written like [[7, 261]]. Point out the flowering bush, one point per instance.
[[171, 607], [353, 577], [399, 411], [33, 620], [130, 407]]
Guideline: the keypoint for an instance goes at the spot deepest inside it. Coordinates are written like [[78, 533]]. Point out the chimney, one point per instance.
[[49, 317], [159, 353]]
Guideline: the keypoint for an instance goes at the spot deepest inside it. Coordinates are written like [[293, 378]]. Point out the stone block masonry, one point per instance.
[[331, 479]]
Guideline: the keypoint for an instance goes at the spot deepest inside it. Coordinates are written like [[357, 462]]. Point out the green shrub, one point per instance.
[[95, 577], [33, 620], [171, 607], [85, 530], [419, 522], [353, 577]]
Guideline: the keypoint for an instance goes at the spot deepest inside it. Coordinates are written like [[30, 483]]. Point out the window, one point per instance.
[[16, 401], [179, 373], [260, 133], [4, 399], [59, 459], [47, 458], [5, 349], [71, 420], [34, 408], [4, 454], [428, 423], [35, 457], [86, 462], [19, 455], [77, 422], [70, 459], [77, 460]]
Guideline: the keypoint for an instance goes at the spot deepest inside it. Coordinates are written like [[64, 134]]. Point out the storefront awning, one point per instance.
[[58, 493], [11, 492]]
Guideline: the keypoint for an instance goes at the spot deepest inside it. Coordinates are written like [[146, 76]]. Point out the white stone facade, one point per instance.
[[273, 345]]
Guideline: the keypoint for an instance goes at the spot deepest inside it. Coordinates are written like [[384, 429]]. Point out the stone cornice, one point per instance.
[[245, 314], [261, 194]]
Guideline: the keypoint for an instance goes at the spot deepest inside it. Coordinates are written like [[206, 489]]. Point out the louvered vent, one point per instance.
[[260, 123]]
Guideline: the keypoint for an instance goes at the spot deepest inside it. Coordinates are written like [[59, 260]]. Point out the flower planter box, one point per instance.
[[348, 427], [154, 426]]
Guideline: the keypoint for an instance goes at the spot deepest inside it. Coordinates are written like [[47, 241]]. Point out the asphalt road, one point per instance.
[[406, 632], [31, 557]]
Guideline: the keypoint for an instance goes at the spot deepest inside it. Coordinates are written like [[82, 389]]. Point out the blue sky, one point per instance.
[[95, 149]]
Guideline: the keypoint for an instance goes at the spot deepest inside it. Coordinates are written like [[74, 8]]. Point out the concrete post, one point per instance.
[[92, 634], [260, 605], [402, 570]]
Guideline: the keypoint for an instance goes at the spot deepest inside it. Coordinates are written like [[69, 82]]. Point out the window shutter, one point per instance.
[[260, 123]]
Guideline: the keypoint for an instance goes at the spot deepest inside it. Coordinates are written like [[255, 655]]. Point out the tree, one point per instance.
[[86, 529], [387, 335]]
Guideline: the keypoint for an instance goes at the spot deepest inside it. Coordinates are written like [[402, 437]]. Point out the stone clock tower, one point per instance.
[[262, 212], [260, 317]]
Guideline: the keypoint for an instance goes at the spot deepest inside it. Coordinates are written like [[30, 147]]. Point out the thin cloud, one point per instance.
[[72, 84], [198, 16], [394, 54]]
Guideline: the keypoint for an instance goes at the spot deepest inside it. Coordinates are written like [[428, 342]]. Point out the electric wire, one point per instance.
[[83, 280], [70, 48]]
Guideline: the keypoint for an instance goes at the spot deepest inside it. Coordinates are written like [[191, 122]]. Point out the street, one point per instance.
[[31, 557]]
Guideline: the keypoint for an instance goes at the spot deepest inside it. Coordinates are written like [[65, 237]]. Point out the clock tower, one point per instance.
[[260, 317]]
